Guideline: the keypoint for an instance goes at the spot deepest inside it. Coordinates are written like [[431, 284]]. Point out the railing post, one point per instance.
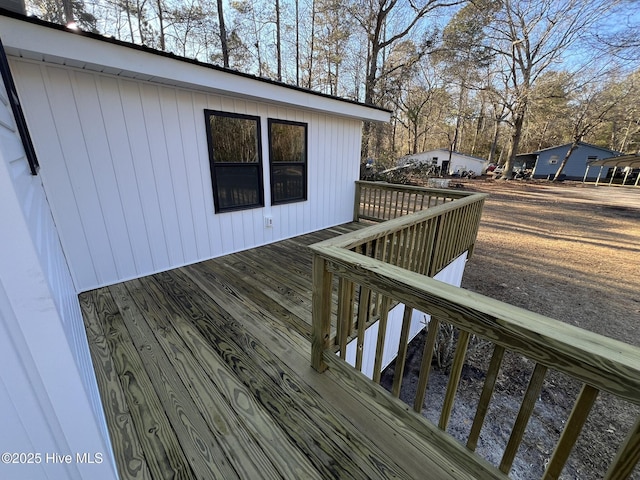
[[321, 313], [356, 203]]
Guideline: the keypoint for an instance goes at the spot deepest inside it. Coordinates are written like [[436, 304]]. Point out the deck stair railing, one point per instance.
[[373, 269]]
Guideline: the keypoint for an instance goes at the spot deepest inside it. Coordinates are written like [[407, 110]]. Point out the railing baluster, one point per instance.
[[526, 409], [345, 314], [436, 246], [357, 202], [485, 396], [410, 247], [363, 317], [402, 351], [382, 333], [572, 429], [454, 379], [628, 455], [425, 366]]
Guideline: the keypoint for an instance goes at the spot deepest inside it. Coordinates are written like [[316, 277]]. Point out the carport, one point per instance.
[[629, 162]]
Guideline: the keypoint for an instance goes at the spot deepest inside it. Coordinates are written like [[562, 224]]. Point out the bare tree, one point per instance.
[[373, 17], [594, 106], [278, 42], [223, 35], [530, 37]]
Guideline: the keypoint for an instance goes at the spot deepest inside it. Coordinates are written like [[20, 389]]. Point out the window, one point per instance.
[[235, 159], [288, 161]]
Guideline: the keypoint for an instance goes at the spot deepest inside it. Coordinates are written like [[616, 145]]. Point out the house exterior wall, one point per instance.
[[126, 169], [550, 159], [48, 396], [458, 161]]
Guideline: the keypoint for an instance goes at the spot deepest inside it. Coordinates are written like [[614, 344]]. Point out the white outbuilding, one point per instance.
[[448, 162]]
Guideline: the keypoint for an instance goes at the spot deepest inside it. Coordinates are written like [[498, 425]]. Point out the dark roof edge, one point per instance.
[[95, 36], [567, 145]]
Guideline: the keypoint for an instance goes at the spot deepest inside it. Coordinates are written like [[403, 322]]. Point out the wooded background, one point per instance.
[[489, 78]]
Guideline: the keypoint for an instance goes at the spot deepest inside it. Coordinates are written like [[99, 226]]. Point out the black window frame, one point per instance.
[[18, 114], [304, 164], [217, 167]]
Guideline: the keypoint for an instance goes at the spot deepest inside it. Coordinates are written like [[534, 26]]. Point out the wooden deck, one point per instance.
[[204, 372]]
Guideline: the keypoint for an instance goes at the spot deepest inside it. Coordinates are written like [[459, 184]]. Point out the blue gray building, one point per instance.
[[548, 160]]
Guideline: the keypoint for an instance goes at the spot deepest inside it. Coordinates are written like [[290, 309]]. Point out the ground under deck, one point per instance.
[[204, 373]]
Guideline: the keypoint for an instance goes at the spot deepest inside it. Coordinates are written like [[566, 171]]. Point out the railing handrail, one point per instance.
[[382, 201], [599, 361], [415, 188], [378, 230]]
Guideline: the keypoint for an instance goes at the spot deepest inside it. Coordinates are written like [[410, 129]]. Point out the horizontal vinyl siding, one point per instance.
[[47, 383], [127, 172]]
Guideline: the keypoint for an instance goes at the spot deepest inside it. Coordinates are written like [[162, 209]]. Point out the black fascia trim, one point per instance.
[[95, 36], [18, 114]]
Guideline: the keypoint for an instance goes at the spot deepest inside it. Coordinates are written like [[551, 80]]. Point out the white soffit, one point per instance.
[[53, 45]]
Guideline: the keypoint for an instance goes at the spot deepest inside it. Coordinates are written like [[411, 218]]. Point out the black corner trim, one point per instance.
[[18, 114]]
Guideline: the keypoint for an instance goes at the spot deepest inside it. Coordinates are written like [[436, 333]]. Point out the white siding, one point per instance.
[[127, 172], [48, 394], [451, 274]]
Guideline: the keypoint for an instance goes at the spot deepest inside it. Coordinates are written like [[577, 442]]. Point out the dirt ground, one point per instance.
[[568, 251]]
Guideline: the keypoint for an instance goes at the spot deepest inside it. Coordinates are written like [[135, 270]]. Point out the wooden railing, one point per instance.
[[390, 263], [379, 201]]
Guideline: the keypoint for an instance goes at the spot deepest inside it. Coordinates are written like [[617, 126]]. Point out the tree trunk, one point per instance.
[[572, 148], [223, 35], [278, 43], [518, 122], [127, 6], [494, 143], [67, 5], [161, 24], [311, 46], [297, 43]]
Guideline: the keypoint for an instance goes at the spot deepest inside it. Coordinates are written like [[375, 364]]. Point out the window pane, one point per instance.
[[288, 183], [234, 140], [235, 159], [287, 142], [237, 186]]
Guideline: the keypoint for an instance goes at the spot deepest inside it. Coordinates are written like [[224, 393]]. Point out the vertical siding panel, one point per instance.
[[177, 170], [190, 109], [317, 164], [155, 132], [332, 184], [266, 235], [144, 173], [53, 169], [76, 157], [103, 177], [123, 164]]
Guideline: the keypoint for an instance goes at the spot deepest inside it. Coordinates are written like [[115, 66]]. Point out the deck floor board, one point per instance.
[[205, 372]]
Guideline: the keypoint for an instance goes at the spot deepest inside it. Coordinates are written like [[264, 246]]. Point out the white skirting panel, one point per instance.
[[451, 274], [125, 165]]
